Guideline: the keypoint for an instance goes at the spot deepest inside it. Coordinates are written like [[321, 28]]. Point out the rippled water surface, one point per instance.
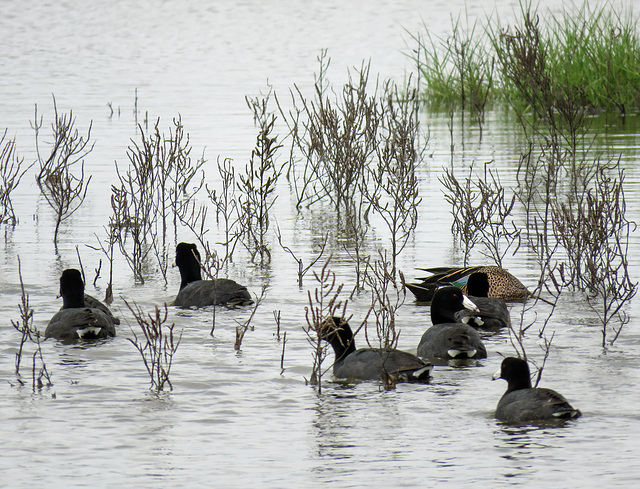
[[236, 419]]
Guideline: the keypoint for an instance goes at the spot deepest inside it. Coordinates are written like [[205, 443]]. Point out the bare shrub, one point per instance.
[[302, 270], [227, 207], [241, 329], [324, 303], [157, 346], [11, 172], [159, 181], [392, 189], [258, 183], [387, 296], [480, 214], [335, 140], [595, 234], [29, 333], [63, 191]]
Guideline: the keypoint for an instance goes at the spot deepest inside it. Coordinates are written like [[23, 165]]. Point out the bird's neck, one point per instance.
[[342, 345], [73, 299], [516, 385], [190, 276]]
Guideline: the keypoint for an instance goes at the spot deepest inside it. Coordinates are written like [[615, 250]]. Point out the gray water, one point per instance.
[[236, 419]]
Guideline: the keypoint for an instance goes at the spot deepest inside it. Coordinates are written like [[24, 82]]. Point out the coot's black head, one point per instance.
[[446, 302], [337, 332], [72, 288], [188, 261], [516, 372], [478, 284]]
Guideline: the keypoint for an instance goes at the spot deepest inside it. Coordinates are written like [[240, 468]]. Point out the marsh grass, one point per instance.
[[584, 58], [456, 71]]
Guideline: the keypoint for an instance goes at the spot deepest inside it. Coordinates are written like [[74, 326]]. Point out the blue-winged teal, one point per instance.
[[502, 284]]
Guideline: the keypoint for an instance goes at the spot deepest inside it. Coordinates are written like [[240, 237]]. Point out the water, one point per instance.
[[235, 419]]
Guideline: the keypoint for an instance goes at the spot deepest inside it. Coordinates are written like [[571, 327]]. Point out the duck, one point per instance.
[[493, 312], [78, 320], [523, 403], [502, 284], [369, 363], [195, 292], [449, 339]]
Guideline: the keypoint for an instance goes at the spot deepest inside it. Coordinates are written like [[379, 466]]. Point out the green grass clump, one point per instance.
[[596, 54], [457, 70], [583, 58]]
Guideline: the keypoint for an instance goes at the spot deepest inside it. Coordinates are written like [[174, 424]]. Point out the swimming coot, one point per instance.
[[77, 320], [449, 339], [195, 292], [368, 363], [522, 402]]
